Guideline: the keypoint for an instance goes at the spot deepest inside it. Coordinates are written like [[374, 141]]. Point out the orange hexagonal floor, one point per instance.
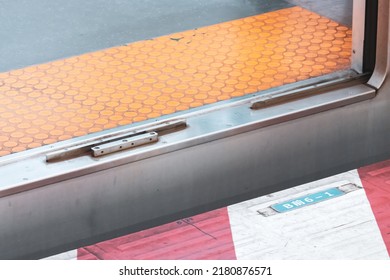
[[60, 100]]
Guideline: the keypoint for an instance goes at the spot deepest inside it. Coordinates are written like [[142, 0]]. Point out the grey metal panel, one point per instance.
[[203, 127], [382, 64], [358, 27], [128, 196]]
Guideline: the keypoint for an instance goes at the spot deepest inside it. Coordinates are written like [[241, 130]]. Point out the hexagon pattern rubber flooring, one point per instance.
[[63, 99]]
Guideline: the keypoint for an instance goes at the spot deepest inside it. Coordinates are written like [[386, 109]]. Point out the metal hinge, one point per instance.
[[124, 144], [113, 143]]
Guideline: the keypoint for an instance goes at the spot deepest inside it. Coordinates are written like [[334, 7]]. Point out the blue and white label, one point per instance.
[[307, 200]]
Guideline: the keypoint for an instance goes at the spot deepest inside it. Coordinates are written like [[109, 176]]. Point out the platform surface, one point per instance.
[[72, 97]]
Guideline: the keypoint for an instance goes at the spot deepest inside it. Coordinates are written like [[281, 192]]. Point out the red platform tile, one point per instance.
[[202, 237], [376, 182]]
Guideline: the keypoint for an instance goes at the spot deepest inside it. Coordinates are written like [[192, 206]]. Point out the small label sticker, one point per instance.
[[306, 200]]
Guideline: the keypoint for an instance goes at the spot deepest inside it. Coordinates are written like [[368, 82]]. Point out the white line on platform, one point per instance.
[[340, 228]]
